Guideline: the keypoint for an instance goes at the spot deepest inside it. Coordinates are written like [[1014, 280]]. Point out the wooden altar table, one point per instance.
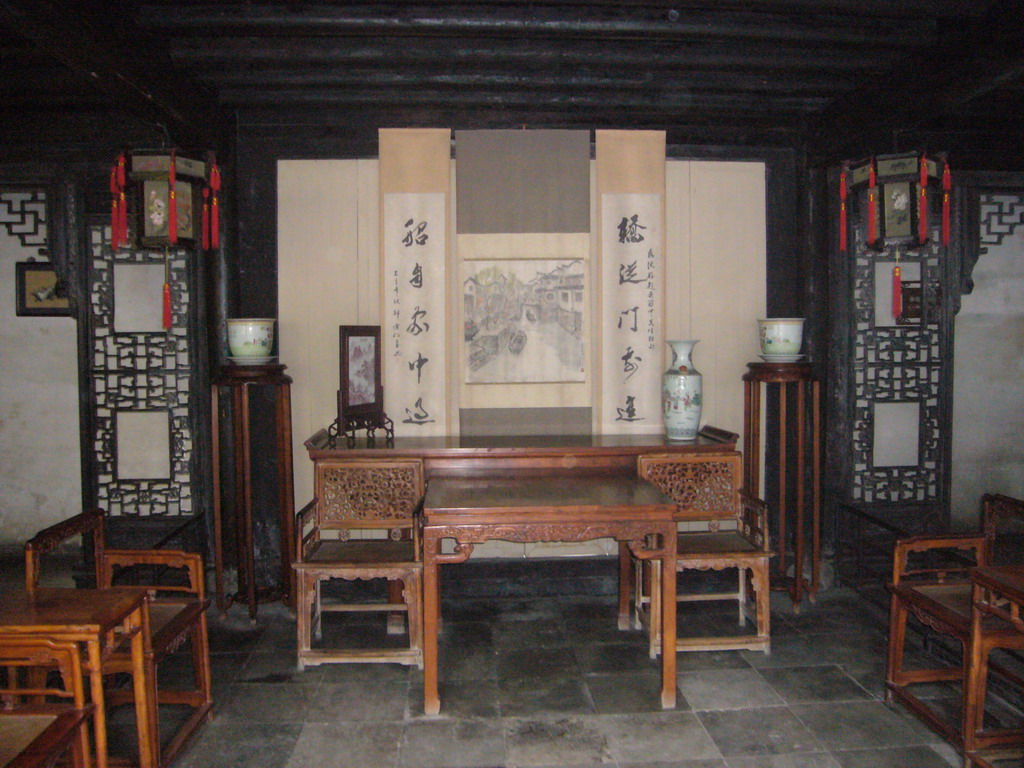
[[100, 620], [524, 506]]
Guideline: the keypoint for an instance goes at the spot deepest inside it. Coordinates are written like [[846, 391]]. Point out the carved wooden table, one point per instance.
[[799, 376], [997, 593], [240, 378], [524, 507], [99, 619]]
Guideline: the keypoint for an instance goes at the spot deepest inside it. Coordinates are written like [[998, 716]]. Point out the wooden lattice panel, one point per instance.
[[379, 493], [700, 486]]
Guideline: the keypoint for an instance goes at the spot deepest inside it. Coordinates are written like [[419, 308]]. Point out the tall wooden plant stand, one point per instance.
[[239, 379], [796, 520]]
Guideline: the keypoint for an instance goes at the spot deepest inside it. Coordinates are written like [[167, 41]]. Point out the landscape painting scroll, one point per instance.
[[415, 179], [523, 243]]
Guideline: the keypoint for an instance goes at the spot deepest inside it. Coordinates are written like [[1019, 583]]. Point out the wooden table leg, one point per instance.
[[99, 715], [431, 604], [668, 619], [144, 688]]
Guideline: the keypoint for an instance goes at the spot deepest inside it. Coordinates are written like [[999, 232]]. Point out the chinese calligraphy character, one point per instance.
[[629, 412], [417, 276], [626, 313], [629, 367], [629, 230], [418, 414], [414, 327], [415, 233], [417, 365], [627, 274]]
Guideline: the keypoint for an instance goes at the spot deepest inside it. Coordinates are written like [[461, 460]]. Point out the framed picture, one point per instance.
[[39, 290], [361, 397]]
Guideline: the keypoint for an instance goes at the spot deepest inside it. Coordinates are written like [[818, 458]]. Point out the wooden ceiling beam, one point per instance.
[[621, 22], [133, 75], [207, 54], [925, 88]]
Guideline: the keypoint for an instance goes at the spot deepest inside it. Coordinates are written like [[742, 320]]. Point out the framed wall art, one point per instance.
[[39, 291], [361, 397]]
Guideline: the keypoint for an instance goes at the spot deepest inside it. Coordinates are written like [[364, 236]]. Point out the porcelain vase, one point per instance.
[[681, 394]]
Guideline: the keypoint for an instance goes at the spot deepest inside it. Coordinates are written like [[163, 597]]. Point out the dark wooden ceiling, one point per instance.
[[838, 78]]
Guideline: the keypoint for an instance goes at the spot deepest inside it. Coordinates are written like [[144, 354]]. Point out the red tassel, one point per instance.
[[115, 216], [206, 219], [167, 307], [897, 293], [172, 204], [122, 223], [842, 210], [922, 206], [215, 207], [872, 205], [947, 185], [122, 211]]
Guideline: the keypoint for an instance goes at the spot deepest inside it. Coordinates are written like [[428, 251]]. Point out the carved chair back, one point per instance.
[[87, 525], [375, 494], [950, 558], [36, 652], [705, 486]]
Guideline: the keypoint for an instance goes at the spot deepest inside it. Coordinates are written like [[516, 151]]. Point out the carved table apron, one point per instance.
[[538, 508]]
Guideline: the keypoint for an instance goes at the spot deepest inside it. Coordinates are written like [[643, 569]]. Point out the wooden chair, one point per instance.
[[722, 527], [176, 612], [931, 580], [37, 734], [356, 498]]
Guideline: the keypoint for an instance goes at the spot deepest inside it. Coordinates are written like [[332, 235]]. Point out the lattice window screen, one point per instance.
[[897, 364], [140, 372]]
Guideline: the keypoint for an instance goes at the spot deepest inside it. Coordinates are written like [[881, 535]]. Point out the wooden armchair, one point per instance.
[[176, 612], [931, 580], [37, 735], [722, 527], [353, 500]]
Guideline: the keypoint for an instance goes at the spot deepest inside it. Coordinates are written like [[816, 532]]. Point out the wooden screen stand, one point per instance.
[[790, 476], [239, 378]]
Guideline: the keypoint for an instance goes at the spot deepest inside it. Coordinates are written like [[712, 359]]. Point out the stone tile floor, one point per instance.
[[550, 681]]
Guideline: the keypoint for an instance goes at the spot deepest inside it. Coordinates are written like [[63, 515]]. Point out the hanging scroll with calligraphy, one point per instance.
[[631, 218], [414, 183]]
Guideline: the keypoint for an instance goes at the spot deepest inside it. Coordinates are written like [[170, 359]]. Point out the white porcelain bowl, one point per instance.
[[251, 336], [781, 335]]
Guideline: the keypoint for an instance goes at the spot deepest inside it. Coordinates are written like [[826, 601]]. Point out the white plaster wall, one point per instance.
[[988, 406], [40, 476]]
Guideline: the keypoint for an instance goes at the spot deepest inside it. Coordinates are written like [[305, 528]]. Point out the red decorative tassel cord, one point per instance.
[[167, 292], [872, 205], [842, 210], [122, 208], [947, 185], [115, 216], [897, 293], [215, 207], [172, 203], [206, 219], [922, 206]]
